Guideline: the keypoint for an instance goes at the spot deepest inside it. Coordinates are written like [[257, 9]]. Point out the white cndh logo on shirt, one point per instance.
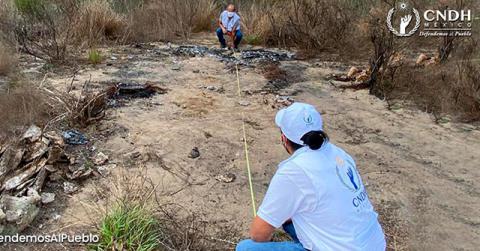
[[347, 175]]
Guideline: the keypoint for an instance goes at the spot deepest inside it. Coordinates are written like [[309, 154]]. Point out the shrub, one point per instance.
[[253, 39], [129, 227], [41, 27], [94, 57], [22, 105], [171, 19], [97, 22], [309, 24]]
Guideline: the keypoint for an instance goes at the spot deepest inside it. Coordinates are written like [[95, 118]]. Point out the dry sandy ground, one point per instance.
[[421, 176]]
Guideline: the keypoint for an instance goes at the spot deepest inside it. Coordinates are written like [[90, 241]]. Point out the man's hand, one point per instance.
[[224, 30]]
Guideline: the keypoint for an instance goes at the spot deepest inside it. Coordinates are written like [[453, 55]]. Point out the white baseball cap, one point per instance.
[[297, 120]]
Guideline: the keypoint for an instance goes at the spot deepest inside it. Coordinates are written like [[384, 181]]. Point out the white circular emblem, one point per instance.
[[404, 22]]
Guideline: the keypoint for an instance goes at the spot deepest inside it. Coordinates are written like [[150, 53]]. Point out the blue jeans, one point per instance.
[[295, 245], [221, 39]]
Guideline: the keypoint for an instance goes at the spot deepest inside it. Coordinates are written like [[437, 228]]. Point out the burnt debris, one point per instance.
[[247, 57]]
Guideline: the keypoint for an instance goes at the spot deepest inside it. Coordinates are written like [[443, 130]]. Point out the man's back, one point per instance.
[[331, 210]]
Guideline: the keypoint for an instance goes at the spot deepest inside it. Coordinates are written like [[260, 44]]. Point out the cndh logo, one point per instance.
[[347, 174], [439, 23], [404, 21]]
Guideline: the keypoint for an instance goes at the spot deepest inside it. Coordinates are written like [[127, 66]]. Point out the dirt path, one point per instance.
[[421, 176]]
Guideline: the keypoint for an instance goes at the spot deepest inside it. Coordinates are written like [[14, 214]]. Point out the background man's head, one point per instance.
[[231, 7]]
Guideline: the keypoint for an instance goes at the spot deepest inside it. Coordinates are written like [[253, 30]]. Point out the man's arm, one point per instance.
[[224, 29], [260, 230]]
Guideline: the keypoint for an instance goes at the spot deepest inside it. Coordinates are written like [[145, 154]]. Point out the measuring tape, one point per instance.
[[245, 144]]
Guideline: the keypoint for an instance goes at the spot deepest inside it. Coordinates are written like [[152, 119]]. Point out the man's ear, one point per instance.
[[284, 139]]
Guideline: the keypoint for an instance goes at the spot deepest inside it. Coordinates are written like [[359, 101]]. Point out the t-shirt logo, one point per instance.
[[347, 174]]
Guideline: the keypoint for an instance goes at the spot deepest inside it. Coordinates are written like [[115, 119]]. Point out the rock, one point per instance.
[[285, 100], [100, 159], [136, 155], [32, 134], [243, 103], [69, 187], [105, 169], [362, 77], [432, 61], [211, 88], [468, 128], [40, 179], [19, 212], [55, 138], [24, 175], [422, 58], [352, 72], [36, 150], [10, 159], [56, 154], [56, 217], [47, 198], [195, 153], [226, 178], [196, 71], [175, 68], [2, 215]]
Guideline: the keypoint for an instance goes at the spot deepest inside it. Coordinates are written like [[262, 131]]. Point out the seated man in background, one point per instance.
[[229, 23]]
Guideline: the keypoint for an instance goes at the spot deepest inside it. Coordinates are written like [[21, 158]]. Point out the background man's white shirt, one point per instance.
[[230, 23], [323, 194]]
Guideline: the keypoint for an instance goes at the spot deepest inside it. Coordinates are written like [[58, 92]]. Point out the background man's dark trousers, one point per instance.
[[221, 39]]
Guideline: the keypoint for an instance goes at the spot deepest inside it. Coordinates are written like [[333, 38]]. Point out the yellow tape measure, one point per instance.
[[245, 144]]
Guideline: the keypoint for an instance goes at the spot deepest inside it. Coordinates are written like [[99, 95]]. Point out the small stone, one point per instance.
[[195, 153], [56, 217], [196, 71], [100, 159], [105, 169], [422, 58], [2, 215], [69, 187], [243, 103], [211, 88], [226, 178], [352, 72], [47, 198], [175, 68], [32, 134]]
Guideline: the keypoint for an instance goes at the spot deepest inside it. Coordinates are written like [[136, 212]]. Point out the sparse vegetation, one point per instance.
[[129, 227], [94, 56], [22, 105], [8, 59], [96, 22]]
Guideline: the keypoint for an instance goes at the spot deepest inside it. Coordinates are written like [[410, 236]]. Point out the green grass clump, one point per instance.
[[253, 39], [28, 6], [94, 57], [129, 227]]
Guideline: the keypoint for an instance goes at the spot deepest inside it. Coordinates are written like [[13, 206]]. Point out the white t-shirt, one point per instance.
[[322, 192]]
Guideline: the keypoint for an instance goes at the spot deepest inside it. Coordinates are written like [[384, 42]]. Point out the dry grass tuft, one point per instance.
[[97, 22], [171, 19], [8, 59], [21, 106]]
